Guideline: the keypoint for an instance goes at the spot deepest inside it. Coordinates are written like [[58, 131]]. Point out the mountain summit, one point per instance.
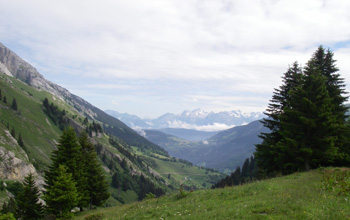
[[197, 119]]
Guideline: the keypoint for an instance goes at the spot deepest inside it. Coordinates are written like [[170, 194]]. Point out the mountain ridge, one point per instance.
[[196, 119]]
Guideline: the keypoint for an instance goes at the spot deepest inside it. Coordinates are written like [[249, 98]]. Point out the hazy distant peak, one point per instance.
[[195, 113], [197, 119]]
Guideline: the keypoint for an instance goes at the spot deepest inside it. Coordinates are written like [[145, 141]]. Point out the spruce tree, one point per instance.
[[323, 62], [9, 207], [308, 126], [14, 104], [13, 132], [96, 186], [69, 154], [28, 205], [5, 100], [245, 171], [62, 195], [20, 141], [252, 168], [307, 120], [0, 95], [115, 180], [268, 155]]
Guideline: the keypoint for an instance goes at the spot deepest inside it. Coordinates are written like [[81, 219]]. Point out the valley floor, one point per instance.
[[297, 196]]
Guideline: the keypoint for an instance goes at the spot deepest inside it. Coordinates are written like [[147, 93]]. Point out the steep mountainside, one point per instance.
[[224, 151], [28, 135], [28, 74], [188, 134]]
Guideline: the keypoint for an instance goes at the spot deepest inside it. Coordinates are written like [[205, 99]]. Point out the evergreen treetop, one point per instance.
[[97, 186], [306, 118], [69, 154], [62, 195], [28, 204], [14, 104]]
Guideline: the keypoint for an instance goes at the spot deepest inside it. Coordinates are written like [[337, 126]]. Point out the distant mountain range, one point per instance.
[[197, 119], [224, 151]]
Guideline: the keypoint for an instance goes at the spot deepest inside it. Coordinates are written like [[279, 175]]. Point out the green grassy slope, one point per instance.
[[38, 133], [297, 196], [190, 176]]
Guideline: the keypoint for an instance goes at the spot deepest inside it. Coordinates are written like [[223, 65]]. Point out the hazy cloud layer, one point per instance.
[[156, 56], [209, 127]]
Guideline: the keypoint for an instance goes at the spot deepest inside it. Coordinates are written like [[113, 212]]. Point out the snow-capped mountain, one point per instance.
[[197, 119]]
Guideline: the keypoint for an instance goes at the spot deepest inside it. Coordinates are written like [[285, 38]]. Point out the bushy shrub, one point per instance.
[[182, 192], [337, 180], [8, 216]]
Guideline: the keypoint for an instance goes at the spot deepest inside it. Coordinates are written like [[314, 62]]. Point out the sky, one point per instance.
[[151, 57]]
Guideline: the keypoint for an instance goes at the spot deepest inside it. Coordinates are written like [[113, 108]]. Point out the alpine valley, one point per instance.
[[217, 140], [29, 133]]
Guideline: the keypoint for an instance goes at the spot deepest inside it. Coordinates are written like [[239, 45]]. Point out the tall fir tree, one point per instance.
[[20, 140], [323, 61], [308, 126], [69, 154], [14, 104], [97, 186], [252, 168], [9, 206], [62, 195], [268, 155], [13, 132], [28, 204], [245, 175], [307, 120]]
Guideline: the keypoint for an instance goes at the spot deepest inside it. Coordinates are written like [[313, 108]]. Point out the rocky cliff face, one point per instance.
[[13, 168], [13, 65], [14, 163]]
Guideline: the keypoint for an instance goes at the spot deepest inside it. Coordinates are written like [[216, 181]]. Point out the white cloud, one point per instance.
[[227, 50], [211, 127]]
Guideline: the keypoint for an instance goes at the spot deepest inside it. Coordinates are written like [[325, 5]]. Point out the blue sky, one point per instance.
[[156, 56]]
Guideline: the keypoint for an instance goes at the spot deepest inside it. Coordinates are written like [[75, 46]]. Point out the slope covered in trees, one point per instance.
[[307, 119]]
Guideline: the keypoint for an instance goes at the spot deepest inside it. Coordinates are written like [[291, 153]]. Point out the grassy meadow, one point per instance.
[[297, 196]]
